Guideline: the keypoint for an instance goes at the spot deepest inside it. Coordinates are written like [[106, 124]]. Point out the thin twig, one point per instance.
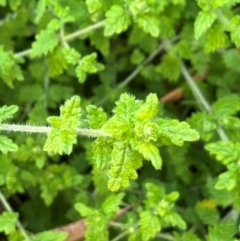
[[9, 209], [66, 38], [196, 92]]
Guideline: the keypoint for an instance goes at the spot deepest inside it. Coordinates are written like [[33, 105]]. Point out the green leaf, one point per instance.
[[232, 59], [71, 55], [8, 221], [59, 177], [228, 105], [7, 112], [175, 132], [101, 152], [7, 145], [222, 231], [149, 109], [50, 236], [151, 153], [123, 166], [170, 67], [216, 39], [228, 180], [96, 116], [3, 3], [225, 152], [88, 64], [117, 20], [111, 205], [45, 43], [149, 24], [207, 212], [94, 5], [149, 225], [203, 22], [9, 69], [83, 209], [63, 135], [126, 107]]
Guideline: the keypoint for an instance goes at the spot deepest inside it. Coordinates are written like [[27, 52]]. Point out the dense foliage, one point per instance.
[[122, 112]]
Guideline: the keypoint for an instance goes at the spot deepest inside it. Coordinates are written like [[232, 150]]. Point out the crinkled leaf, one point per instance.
[[117, 20], [150, 225], [151, 153], [8, 221], [203, 22], [101, 152], [175, 132], [63, 135], [123, 166], [7, 145], [96, 116], [149, 109], [7, 112], [45, 42], [126, 107]]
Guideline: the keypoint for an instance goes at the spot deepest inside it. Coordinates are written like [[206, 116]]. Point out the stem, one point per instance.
[[66, 38], [196, 92], [165, 236], [9, 209], [137, 70], [121, 235], [47, 129]]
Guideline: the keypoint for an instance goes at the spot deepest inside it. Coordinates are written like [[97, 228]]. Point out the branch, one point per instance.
[[66, 38], [47, 129]]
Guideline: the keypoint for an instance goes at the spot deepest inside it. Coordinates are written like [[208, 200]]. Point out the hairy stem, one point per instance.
[[66, 38], [47, 129], [9, 209]]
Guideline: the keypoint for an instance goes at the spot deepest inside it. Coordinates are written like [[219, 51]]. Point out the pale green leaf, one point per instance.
[[8, 221], [94, 5], [149, 24], [117, 20], [123, 166], [227, 180], [150, 225], [149, 109], [7, 145], [71, 55], [151, 153], [216, 39], [111, 205], [63, 135], [175, 132], [9, 69], [45, 42], [49, 236], [7, 112], [96, 116], [203, 22], [83, 209], [101, 152]]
